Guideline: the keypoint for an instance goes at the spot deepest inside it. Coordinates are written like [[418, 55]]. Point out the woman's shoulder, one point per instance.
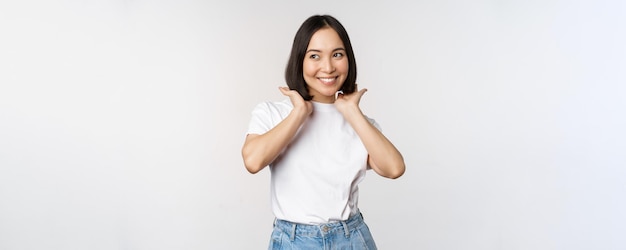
[[274, 106]]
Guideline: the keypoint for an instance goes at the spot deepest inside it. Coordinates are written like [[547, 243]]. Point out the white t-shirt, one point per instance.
[[315, 179]]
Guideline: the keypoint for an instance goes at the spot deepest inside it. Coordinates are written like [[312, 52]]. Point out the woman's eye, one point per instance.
[[338, 54], [314, 56]]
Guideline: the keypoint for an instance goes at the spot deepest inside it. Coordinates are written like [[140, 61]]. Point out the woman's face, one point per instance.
[[325, 66]]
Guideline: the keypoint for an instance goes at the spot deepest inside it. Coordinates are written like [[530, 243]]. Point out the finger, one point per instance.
[[285, 91], [360, 92]]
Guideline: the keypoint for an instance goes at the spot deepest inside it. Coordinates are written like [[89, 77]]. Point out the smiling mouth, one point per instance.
[[328, 80]]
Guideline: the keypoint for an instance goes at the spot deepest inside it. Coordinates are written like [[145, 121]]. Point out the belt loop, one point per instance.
[[346, 230], [293, 231]]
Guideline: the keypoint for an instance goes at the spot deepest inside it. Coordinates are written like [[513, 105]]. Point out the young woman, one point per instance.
[[318, 144]]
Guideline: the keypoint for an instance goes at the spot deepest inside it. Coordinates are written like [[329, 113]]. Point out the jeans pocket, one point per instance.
[[366, 238], [276, 239]]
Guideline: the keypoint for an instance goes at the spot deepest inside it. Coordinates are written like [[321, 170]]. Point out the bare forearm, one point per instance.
[[260, 150], [385, 158]]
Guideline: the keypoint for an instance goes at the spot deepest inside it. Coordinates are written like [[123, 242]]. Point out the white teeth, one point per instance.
[[326, 79]]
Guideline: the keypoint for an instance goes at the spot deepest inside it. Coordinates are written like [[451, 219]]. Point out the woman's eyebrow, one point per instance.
[[319, 51]]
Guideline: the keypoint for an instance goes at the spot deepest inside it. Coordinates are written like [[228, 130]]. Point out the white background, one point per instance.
[[121, 122]]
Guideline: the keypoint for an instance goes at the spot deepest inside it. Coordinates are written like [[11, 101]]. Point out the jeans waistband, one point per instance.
[[293, 229]]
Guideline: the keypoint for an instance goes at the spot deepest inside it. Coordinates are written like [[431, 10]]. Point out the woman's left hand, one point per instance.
[[347, 103]]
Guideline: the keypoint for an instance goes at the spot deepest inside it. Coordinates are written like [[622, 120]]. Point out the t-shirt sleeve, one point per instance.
[[373, 122], [260, 122]]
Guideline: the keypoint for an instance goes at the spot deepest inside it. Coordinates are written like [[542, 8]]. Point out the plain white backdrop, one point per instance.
[[121, 121]]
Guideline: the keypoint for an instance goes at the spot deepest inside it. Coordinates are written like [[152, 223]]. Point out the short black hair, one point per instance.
[[294, 71]]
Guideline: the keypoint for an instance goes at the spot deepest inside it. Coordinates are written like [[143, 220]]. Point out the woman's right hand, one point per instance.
[[299, 104], [259, 150]]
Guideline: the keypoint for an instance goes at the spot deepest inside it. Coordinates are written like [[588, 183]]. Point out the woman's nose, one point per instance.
[[327, 66]]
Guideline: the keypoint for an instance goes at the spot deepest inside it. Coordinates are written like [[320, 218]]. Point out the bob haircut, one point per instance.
[[294, 72]]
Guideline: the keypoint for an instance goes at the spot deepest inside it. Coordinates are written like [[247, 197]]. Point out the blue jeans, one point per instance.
[[349, 234]]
